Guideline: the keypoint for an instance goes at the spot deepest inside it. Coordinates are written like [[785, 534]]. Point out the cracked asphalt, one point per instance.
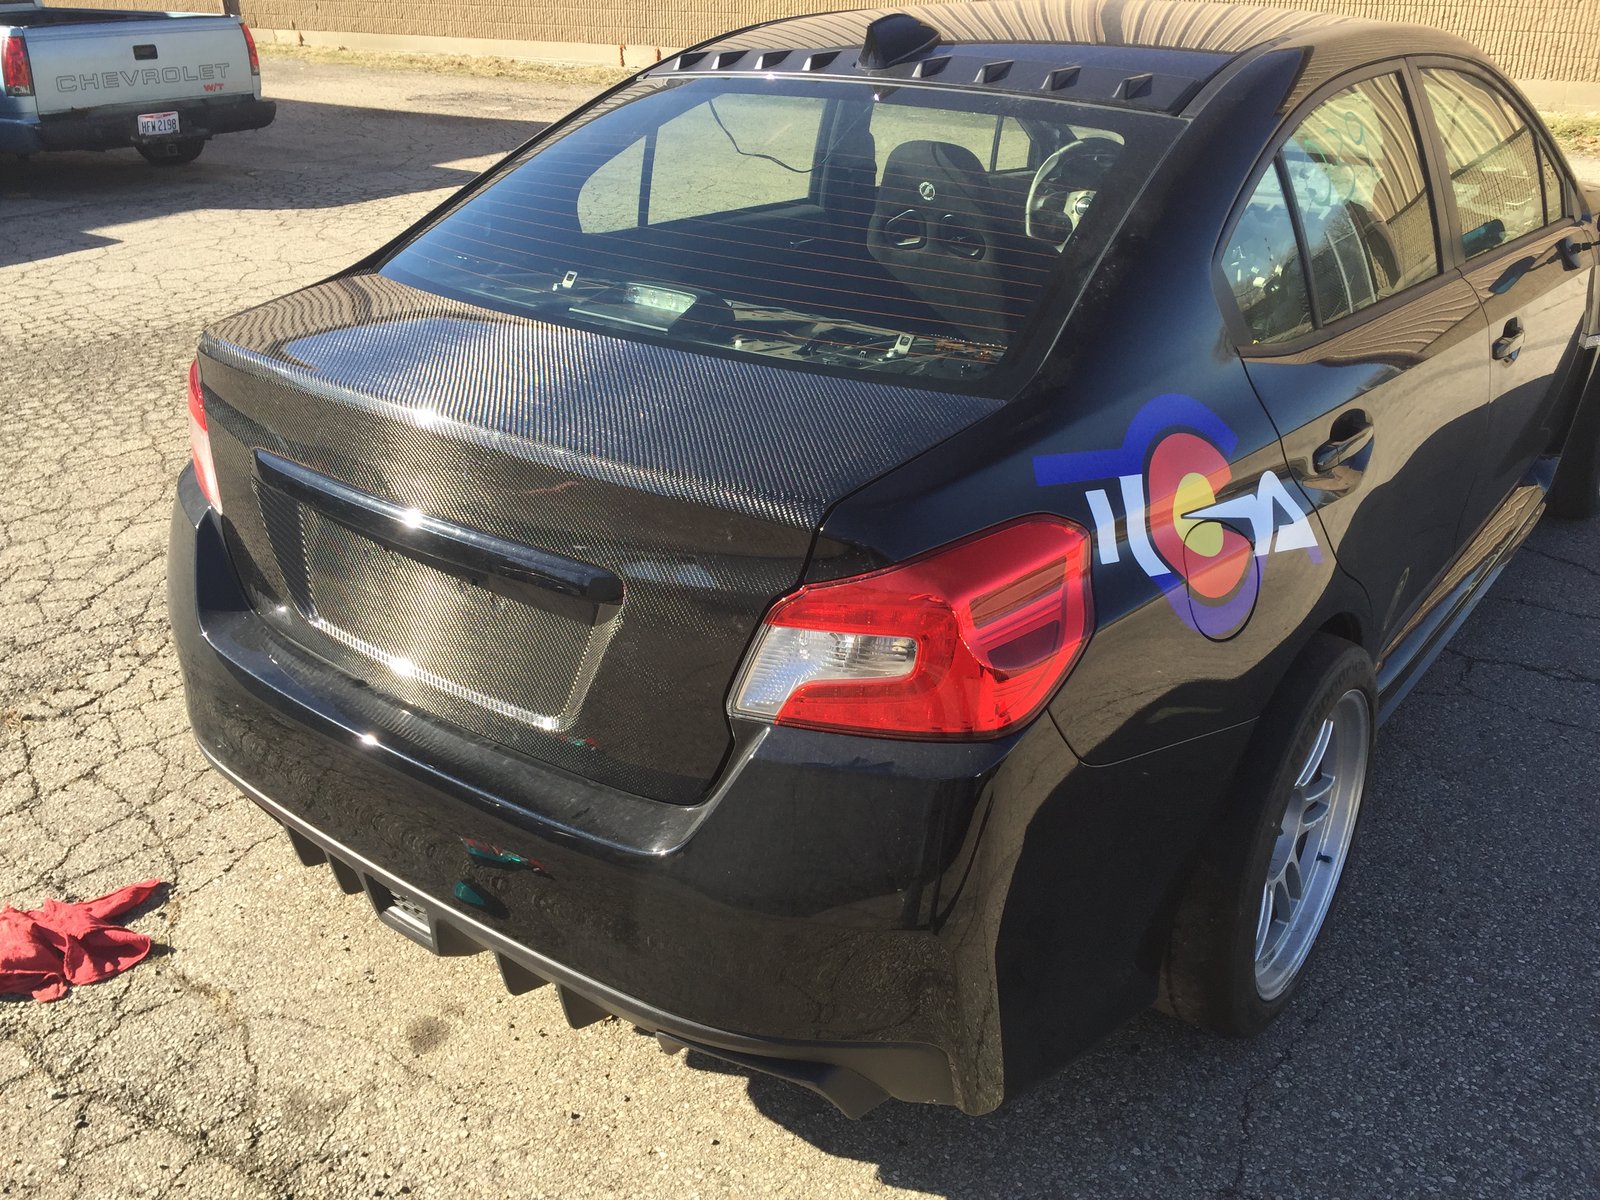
[[283, 1043]]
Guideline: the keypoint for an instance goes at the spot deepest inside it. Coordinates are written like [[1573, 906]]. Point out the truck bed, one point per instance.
[[151, 59], [91, 79], [41, 18]]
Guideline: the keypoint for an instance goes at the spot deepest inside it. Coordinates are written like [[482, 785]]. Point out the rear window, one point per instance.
[[1355, 167], [1499, 183], [824, 225]]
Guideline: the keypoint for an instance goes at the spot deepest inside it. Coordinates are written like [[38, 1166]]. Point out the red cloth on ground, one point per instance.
[[44, 950]]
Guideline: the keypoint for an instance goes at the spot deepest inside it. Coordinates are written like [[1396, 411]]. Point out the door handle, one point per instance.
[[1340, 451], [1508, 346]]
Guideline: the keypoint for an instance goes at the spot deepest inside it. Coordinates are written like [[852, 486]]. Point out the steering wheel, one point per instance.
[[1064, 186]]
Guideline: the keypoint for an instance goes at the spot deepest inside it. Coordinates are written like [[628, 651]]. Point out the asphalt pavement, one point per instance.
[[284, 1043]]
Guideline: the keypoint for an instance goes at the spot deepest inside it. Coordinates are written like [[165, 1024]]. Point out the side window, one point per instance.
[[999, 143], [730, 153], [1555, 196], [734, 152], [1263, 267], [1356, 172], [609, 199], [1492, 158], [896, 124], [1012, 146]]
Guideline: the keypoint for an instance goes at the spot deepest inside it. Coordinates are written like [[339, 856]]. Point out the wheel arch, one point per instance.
[[1346, 625], [1343, 614], [1582, 395], [1575, 490], [1215, 878]]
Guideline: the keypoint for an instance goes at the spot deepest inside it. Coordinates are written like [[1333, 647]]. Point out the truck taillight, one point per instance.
[[968, 641], [250, 47], [15, 71], [200, 440]]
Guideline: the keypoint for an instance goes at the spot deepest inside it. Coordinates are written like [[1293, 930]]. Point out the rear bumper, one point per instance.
[[740, 926], [116, 126], [854, 1076], [940, 923]]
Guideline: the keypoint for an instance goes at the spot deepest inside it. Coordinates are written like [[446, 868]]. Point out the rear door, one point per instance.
[[154, 61], [1365, 347], [1513, 212]]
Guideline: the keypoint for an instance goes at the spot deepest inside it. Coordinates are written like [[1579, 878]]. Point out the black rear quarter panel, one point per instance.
[[1146, 356]]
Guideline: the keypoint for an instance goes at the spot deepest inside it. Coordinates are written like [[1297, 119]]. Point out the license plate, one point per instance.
[[157, 124]]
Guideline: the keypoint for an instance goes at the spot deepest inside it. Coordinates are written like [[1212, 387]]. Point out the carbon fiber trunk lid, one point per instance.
[[697, 481]]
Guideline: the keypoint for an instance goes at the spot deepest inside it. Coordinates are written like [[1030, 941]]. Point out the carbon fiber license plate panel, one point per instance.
[[420, 623]]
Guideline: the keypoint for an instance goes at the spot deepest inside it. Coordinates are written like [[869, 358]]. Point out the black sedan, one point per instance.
[[879, 548]]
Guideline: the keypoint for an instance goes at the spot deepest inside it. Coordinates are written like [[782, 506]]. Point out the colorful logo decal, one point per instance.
[[1205, 555]]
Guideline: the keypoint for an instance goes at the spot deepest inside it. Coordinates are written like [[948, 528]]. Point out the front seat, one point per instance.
[[931, 230]]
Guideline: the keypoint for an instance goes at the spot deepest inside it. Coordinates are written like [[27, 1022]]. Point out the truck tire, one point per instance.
[[174, 153]]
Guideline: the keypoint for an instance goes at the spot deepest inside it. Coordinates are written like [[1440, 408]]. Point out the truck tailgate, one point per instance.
[[154, 61]]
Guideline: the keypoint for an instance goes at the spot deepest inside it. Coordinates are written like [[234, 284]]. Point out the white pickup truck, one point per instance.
[[93, 79]]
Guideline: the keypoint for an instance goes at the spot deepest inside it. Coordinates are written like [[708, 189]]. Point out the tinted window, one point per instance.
[[1555, 195], [1013, 147], [734, 152], [894, 124], [817, 223], [729, 151], [610, 199], [999, 143], [1493, 162], [1262, 263], [1358, 180]]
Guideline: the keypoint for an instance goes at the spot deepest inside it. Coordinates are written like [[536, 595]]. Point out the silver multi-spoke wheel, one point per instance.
[[1313, 839]]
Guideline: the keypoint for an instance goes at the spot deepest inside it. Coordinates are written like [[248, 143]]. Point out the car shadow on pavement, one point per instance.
[[1153, 1075], [314, 156]]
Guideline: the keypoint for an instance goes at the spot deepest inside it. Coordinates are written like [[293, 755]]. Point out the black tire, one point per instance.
[[1575, 494], [1209, 978], [175, 153]]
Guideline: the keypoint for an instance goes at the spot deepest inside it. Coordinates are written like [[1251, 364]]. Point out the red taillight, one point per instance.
[[968, 641], [200, 440], [250, 46], [15, 71]]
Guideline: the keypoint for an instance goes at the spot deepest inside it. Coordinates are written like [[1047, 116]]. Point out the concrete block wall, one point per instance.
[[1529, 39], [1549, 40]]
